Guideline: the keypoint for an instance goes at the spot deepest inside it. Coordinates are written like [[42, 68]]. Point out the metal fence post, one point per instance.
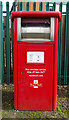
[[40, 7], [47, 6], [14, 9], [1, 44], [21, 6], [8, 42], [27, 6], [34, 6], [59, 45], [14, 6], [66, 44], [54, 6]]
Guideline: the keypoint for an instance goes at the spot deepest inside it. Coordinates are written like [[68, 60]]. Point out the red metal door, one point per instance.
[[35, 79]]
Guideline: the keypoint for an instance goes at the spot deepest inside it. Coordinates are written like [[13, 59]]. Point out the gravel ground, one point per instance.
[[62, 111]]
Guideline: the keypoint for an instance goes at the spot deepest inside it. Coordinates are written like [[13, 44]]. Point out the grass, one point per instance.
[[8, 111]]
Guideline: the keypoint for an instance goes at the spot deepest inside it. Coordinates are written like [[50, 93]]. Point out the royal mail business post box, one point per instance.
[[35, 59]]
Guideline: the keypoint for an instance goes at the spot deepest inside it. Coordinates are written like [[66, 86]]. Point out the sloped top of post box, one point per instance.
[[35, 14]]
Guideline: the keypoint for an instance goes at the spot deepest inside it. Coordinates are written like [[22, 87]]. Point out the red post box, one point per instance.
[[35, 59]]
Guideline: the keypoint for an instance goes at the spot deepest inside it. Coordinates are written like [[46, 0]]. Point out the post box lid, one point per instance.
[[16, 14]]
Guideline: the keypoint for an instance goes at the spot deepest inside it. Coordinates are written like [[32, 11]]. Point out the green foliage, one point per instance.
[[58, 109], [59, 103], [30, 114], [58, 106]]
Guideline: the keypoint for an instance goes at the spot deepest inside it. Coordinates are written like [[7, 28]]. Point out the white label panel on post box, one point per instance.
[[35, 57]]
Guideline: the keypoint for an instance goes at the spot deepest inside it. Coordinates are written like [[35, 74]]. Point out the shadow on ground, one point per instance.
[[7, 100]]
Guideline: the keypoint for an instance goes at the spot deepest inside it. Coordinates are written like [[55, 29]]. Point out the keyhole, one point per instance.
[[21, 72]]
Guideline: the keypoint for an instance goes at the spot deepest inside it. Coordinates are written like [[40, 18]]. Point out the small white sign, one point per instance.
[[35, 81], [35, 57], [35, 86]]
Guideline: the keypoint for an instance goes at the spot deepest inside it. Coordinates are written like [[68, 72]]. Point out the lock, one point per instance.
[[21, 72]]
